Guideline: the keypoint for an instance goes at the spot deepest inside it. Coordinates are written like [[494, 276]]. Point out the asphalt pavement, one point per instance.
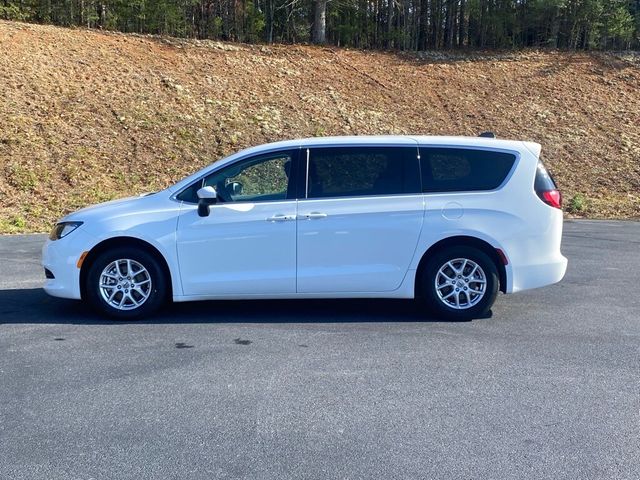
[[547, 387]]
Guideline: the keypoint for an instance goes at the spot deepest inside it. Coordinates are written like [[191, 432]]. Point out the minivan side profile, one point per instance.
[[447, 220]]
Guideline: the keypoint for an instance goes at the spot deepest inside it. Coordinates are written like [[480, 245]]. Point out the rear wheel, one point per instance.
[[460, 283], [126, 283]]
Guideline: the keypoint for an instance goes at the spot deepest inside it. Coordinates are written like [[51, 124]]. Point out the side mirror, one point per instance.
[[207, 196]]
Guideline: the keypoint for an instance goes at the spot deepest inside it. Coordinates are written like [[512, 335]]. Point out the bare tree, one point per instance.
[[319, 30]]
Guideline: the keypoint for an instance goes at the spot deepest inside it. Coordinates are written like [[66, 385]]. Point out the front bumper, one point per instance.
[[60, 257]]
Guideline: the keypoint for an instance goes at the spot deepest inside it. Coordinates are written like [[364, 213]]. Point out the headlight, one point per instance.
[[63, 229]]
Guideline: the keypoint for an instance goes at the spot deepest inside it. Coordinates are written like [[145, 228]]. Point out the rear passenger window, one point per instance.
[[362, 171], [462, 169]]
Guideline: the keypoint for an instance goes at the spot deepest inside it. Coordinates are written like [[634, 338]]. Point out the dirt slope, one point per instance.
[[88, 116]]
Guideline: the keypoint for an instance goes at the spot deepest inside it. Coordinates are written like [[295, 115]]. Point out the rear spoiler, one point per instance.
[[534, 148]]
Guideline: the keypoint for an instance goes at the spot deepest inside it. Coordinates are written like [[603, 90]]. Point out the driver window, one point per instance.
[[257, 179]]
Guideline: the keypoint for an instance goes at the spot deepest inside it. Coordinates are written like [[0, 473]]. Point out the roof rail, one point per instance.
[[487, 135]]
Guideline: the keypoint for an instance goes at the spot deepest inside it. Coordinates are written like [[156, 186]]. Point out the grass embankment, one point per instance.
[[87, 116]]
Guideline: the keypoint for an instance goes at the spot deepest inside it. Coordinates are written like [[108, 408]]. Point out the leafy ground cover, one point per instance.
[[87, 116]]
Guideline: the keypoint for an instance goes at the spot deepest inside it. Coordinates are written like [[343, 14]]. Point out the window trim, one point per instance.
[[306, 173], [292, 189], [305, 179], [506, 180], [363, 197], [300, 175]]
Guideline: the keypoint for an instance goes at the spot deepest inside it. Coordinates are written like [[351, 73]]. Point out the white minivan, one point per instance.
[[449, 220]]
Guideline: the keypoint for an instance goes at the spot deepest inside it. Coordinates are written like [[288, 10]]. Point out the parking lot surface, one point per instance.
[[547, 387]]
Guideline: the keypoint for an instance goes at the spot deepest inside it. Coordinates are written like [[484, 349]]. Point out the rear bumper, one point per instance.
[[526, 277]]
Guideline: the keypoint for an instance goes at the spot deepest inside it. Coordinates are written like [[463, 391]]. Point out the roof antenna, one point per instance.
[[487, 135]]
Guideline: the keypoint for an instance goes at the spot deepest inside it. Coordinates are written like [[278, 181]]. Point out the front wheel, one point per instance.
[[460, 283], [125, 283]]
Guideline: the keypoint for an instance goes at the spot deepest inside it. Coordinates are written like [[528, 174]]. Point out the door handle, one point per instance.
[[281, 218], [315, 215]]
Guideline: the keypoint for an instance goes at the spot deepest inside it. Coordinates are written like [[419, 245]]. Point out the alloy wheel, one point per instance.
[[460, 283], [125, 284]]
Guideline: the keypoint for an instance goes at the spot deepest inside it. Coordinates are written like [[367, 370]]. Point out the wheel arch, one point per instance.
[[123, 241], [466, 241]]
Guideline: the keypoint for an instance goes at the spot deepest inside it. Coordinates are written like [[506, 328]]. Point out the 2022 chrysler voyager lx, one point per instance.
[[449, 220]]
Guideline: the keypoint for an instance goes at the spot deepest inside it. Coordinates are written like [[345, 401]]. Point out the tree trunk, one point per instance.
[[319, 21], [461, 25], [450, 22], [390, 7], [423, 26], [102, 15], [270, 26]]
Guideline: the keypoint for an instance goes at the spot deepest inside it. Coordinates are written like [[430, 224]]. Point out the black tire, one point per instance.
[[157, 293], [429, 294]]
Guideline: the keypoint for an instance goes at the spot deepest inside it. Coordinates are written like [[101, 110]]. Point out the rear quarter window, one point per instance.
[[463, 169], [543, 181]]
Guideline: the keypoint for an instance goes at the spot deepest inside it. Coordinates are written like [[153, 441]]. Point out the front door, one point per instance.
[[359, 224], [247, 245]]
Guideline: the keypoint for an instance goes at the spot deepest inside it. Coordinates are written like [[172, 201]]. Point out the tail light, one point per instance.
[[546, 188], [551, 197]]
